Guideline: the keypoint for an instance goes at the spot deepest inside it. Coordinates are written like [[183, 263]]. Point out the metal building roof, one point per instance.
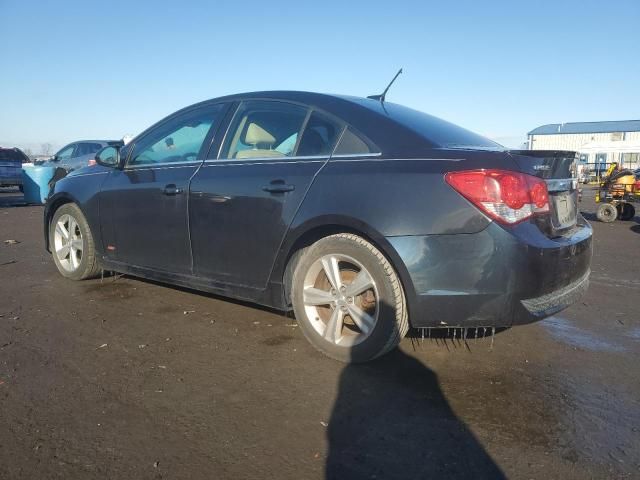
[[588, 127]]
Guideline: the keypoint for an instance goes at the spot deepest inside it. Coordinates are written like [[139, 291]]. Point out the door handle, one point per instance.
[[171, 189], [278, 186]]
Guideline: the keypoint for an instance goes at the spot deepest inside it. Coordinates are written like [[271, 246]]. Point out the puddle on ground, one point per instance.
[[565, 331]]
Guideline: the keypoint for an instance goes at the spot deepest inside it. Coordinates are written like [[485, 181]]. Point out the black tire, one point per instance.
[[392, 320], [626, 211], [606, 213], [88, 266]]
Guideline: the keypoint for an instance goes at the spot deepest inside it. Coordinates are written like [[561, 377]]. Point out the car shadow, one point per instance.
[[591, 217], [392, 420]]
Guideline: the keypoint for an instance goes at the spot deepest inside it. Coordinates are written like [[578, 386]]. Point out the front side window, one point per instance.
[[65, 153], [264, 129], [177, 140]]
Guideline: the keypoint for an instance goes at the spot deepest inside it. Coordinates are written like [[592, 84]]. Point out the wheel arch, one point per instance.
[[313, 230], [53, 204]]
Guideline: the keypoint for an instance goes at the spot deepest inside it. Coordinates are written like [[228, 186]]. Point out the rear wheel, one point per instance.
[[348, 299], [606, 213], [72, 244], [626, 211]]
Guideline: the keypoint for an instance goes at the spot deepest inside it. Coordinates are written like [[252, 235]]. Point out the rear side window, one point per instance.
[[319, 136], [86, 148], [264, 129], [353, 144], [93, 147]]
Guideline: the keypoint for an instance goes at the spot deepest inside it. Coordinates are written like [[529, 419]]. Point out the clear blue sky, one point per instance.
[[89, 69]]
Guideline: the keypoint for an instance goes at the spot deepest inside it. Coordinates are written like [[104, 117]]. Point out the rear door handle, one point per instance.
[[171, 189], [278, 186]]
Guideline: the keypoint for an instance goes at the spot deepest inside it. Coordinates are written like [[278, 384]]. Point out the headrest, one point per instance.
[[256, 134]]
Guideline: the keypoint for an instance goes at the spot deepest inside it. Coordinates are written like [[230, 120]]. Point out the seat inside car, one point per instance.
[[261, 142]]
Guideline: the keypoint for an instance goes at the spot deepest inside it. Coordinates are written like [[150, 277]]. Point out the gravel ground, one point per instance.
[[129, 379]]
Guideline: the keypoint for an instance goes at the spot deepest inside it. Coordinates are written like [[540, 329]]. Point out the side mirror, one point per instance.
[[108, 157]]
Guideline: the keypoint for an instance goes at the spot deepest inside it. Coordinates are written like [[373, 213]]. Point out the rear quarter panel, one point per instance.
[[391, 197], [398, 197]]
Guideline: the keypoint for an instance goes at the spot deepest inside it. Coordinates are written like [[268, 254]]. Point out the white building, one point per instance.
[[599, 143]]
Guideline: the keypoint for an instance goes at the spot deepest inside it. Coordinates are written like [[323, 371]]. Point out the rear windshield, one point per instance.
[[438, 131], [8, 154]]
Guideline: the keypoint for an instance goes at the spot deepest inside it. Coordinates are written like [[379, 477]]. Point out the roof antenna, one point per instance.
[[384, 94]]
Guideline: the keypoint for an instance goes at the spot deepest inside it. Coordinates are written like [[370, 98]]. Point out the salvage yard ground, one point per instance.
[[128, 379]]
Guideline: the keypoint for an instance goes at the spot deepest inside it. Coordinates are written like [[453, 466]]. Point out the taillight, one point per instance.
[[92, 162], [507, 197]]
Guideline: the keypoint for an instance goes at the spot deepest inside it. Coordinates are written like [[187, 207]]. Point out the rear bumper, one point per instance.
[[496, 277]]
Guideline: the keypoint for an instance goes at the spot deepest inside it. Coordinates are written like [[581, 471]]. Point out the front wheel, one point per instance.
[[72, 244], [348, 299]]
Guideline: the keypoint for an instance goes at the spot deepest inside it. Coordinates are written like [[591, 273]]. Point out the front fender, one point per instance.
[[82, 189]]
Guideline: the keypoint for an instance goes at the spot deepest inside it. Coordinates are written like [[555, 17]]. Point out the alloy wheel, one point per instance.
[[340, 299], [68, 243]]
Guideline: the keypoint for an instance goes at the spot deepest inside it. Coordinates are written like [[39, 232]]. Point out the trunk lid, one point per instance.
[[558, 169]]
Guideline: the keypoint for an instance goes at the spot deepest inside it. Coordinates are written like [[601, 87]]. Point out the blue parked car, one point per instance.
[[11, 160]]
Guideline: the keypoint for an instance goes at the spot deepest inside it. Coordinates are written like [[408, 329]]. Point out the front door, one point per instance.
[[145, 205], [243, 202]]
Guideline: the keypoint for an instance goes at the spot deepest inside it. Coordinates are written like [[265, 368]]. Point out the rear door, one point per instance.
[[144, 206], [559, 170], [243, 202]]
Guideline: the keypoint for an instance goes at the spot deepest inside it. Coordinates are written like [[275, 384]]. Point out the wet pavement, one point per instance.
[[132, 379]]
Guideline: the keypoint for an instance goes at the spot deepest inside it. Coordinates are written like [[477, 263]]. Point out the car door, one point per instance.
[[143, 206], [243, 202]]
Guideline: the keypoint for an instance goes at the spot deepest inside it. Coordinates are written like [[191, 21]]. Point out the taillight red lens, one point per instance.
[[92, 162], [507, 197]]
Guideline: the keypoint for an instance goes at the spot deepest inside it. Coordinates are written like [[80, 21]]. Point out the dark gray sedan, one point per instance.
[[363, 216]]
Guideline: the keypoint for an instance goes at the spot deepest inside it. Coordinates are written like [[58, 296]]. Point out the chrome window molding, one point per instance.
[[163, 165]]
